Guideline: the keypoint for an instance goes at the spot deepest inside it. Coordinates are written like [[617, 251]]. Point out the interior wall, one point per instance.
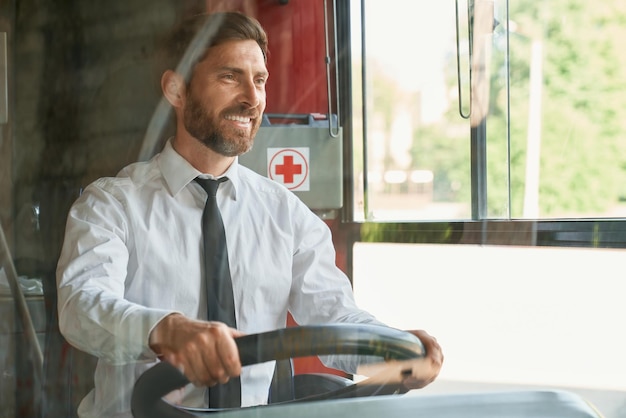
[[7, 315], [85, 90], [7, 12]]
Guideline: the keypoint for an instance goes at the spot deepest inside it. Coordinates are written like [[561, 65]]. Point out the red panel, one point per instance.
[[297, 45]]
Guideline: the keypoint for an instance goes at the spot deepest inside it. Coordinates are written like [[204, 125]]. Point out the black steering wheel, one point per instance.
[[399, 349]]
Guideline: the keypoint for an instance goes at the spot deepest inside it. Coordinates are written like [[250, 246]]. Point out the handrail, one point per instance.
[[20, 303], [334, 134], [458, 57]]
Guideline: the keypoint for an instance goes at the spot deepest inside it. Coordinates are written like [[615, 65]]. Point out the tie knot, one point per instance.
[[210, 185]]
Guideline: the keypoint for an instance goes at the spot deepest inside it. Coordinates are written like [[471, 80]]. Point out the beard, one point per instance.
[[228, 142]]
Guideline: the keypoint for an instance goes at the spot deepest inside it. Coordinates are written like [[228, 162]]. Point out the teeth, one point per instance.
[[242, 119]]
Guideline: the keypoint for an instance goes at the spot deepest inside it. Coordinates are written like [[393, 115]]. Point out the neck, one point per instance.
[[200, 157]]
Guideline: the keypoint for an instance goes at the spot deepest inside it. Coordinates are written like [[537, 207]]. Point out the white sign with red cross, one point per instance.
[[290, 167]]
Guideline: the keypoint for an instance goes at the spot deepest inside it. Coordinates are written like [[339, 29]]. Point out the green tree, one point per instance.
[[584, 76]]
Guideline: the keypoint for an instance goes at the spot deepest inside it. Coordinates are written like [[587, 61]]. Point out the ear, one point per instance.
[[173, 86]]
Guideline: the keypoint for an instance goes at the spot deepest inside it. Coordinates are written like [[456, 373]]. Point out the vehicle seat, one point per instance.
[[287, 386]]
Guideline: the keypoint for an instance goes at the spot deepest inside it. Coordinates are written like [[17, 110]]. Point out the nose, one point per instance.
[[251, 94]]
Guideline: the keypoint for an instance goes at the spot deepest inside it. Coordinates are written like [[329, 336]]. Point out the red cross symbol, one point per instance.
[[287, 169], [289, 166]]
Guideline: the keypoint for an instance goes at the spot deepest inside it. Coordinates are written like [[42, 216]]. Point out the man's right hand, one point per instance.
[[205, 352]]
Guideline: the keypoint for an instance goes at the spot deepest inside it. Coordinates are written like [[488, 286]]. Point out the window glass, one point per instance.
[[544, 133], [539, 83], [507, 317], [567, 71], [416, 144]]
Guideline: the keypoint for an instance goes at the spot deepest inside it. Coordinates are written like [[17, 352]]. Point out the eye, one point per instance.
[[228, 76]]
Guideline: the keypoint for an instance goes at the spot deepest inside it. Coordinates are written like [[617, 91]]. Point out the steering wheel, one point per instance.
[[399, 349]]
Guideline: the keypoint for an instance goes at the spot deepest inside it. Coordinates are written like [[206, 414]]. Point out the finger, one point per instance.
[[236, 333], [421, 376], [197, 355], [229, 354], [196, 371], [432, 364], [432, 347], [212, 371], [218, 352]]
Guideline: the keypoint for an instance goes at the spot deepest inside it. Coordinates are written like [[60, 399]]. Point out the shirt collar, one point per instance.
[[178, 173]]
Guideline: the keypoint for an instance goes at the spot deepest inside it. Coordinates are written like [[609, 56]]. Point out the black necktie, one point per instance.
[[219, 288]]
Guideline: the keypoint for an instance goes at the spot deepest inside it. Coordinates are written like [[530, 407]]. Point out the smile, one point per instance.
[[236, 118]]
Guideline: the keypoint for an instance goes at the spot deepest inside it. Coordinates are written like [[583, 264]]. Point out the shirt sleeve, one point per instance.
[[321, 293], [94, 315]]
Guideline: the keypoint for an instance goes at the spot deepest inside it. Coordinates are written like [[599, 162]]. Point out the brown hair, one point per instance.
[[190, 40]]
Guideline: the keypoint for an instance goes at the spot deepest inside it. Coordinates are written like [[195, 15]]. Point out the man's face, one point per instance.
[[226, 97]]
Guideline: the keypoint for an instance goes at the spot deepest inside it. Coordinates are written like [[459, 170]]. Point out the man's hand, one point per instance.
[[205, 352], [432, 365]]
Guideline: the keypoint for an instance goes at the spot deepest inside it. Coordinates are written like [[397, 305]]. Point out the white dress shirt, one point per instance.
[[132, 255]]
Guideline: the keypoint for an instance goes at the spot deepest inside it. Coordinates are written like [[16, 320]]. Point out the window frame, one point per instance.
[[480, 230]]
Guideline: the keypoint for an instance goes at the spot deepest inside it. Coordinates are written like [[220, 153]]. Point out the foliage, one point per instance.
[[584, 76], [582, 165]]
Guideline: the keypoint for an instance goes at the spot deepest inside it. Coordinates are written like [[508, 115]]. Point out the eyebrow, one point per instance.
[[240, 71]]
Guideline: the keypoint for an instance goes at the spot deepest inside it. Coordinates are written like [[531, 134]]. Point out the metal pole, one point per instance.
[[20, 303]]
